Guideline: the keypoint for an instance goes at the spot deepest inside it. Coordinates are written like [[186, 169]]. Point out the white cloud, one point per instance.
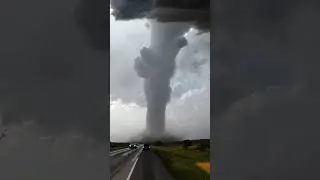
[[126, 120]]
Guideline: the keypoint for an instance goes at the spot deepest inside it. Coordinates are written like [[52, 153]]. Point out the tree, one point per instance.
[[186, 143], [158, 143], [203, 146]]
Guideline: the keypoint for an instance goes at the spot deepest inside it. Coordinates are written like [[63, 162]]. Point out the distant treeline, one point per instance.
[[198, 141], [115, 145]]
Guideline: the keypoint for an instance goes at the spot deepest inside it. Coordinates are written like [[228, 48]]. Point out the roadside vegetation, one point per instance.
[[187, 160]]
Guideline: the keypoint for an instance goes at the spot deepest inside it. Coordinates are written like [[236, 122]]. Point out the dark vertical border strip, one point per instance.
[[94, 17], [108, 111], [107, 13]]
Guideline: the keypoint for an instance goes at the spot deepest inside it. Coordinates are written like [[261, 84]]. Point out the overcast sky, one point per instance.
[[188, 113]]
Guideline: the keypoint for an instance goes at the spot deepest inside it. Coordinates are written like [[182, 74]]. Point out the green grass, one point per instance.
[[181, 163]]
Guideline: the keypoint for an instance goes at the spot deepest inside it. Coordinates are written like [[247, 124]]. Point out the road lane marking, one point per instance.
[[131, 171], [119, 150], [127, 153], [113, 153], [137, 155], [135, 160]]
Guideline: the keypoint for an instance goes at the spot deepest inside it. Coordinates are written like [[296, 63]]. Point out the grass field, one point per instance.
[[185, 164]]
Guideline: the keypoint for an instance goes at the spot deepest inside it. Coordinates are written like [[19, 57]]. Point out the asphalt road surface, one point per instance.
[[141, 165]]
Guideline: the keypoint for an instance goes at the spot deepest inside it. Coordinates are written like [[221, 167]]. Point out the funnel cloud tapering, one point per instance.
[[156, 65]]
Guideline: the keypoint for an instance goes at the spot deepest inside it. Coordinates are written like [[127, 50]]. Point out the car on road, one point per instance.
[[133, 146], [146, 147]]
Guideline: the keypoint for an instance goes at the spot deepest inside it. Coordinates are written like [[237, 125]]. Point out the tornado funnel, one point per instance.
[[156, 65]]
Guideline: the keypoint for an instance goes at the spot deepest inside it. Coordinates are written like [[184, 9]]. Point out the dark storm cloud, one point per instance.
[[249, 45], [93, 17], [49, 72], [269, 134], [162, 11]]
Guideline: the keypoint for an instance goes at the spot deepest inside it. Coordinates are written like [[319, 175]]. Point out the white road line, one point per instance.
[[131, 171], [113, 153], [137, 155], [118, 150], [135, 159]]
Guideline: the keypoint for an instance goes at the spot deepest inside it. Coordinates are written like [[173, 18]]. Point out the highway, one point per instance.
[[137, 165]]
